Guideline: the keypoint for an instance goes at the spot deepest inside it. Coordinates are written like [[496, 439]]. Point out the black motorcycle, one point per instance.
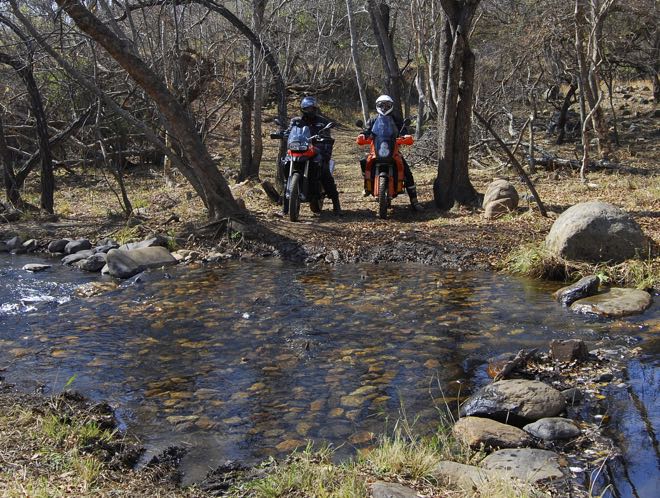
[[302, 168]]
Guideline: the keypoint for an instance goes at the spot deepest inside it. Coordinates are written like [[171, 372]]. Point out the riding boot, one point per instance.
[[336, 208], [414, 203]]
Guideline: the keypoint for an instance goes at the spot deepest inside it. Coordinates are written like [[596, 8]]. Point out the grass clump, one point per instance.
[[535, 261]]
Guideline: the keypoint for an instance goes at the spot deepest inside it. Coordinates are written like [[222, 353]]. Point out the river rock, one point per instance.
[[105, 248], [94, 263], [585, 287], [30, 245], [157, 241], [614, 303], [596, 232], [572, 349], [35, 267], [77, 245], [572, 395], [527, 464], [80, 255], [464, 476], [124, 264], [477, 431], [553, 428], [58, 245], [382, 489], [516, 401]]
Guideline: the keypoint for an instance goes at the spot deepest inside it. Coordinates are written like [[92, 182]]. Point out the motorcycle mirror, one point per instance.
[[359, 123]]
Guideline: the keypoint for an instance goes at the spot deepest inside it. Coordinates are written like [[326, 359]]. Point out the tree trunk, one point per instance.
[[380, 23], [259, 8], [6, 161], [247, 163], [211, 185], [24, 70], [456, 82], [355, 55], [563, 112]]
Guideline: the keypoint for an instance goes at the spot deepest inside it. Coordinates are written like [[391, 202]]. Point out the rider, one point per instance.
[[384, 107], [312, 118]]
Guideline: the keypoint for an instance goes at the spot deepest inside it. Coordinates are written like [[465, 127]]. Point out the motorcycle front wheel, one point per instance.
[[294, 197], [383, 201]]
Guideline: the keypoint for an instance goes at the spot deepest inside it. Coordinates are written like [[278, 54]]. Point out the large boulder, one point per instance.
[[500, 198], [125, 264], [77, 245], [157, 241], [516, 401], [596, 232]]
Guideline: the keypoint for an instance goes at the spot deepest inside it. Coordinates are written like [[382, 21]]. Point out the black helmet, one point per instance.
[[309, 106]]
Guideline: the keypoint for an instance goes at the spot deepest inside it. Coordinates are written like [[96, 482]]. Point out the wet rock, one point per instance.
[[516, 401], [464, 476], [585, 287], [596, 232], [572, 395], [157, 241], [94, 263], [80, 255], [94, 288], [35, 267], [614, 303], [125, 264], [382, 489], [477, 431], [553, 428], [58, 245], [496, 364], [527, 464], [566, 351]]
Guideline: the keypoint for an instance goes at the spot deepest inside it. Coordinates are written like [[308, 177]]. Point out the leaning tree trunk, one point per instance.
[[210, 184]]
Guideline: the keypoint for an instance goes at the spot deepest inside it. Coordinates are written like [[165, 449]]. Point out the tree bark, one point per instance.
[[6, 161], [211, 185]]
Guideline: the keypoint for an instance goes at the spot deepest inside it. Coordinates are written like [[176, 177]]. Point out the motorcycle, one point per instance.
[[383, 168], [302, 171]]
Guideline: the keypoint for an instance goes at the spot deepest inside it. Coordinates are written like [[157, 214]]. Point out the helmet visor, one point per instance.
[[384, 106]]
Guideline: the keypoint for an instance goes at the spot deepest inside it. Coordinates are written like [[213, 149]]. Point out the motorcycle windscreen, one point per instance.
[[299, 138], [384, 133]]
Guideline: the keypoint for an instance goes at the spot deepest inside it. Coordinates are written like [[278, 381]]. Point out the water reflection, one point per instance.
[[249, 360]]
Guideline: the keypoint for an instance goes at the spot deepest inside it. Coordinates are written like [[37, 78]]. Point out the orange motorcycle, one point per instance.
[[383, 167]]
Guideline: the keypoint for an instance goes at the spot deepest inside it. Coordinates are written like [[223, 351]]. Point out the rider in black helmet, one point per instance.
[[312, 118]]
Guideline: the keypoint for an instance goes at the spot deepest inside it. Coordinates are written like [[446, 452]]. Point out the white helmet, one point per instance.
[[384, 105]]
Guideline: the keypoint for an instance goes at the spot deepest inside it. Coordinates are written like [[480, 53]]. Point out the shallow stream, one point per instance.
[[247, 360]]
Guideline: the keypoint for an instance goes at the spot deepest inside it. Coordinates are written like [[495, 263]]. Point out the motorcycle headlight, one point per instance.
[[298, 147], [384, 150]]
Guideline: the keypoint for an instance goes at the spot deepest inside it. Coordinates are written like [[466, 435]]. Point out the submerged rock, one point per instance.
[[614, 303], [585, 287], [553, 428], [35, 267], [515, 401], [477, 431], [596, 232], [527, 464]]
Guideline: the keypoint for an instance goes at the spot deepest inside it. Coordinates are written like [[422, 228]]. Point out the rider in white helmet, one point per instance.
[[385, 107]]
